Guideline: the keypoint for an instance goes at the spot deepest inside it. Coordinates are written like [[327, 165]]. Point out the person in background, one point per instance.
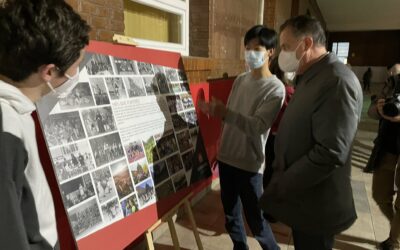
[[367, 79], [310, 189], [41, 45], [253, 104]]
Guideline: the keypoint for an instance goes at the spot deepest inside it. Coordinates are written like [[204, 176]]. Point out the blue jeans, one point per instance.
[[305, 241], [239, 185]]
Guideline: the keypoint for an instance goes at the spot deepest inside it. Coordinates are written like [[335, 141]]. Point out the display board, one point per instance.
[[126, 137]]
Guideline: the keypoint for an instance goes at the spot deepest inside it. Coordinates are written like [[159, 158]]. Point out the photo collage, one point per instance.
[[102, 178]]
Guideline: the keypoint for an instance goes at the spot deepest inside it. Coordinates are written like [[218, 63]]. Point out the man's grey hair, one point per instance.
[[306, 26]]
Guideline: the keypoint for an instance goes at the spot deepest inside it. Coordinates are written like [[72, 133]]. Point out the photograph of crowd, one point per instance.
[[171, 74], [164, 190], [162, 83], [174, 164], [107, 148], [185, 87], [98, 121], [188, 160], [150, 84], [191, 118], [85, 218], [178, 120], [77, 190], [99, 91], [72, 160], [122, 179], [134, 151], [182, 75], [111, 211], [116, 88], [151, 150], [184, 141], [145, 192], [125, 66], [145, 68], [63, 128], [140, 171], [104, 184], [187, 101], [80, 97], [158, 69], [174, 103], [175, 87], [129, 205], [167, 145], [135, 86], [180, 181], [99, 65], [160, 172]]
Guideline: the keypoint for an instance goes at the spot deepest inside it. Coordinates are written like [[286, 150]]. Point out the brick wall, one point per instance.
[[199, 32], [106, 17], [269, 13]]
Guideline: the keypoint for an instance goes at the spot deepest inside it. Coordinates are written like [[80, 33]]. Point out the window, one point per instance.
[[341, 49], [159, 24]]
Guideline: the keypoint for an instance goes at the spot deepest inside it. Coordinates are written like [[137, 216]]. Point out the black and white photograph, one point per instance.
[[72, 160], [125, 66], [99, 65], [107, 148], [98, 121], [182, 75], [171, 74], [187, 101], [134, 86], [104, 185], [151, 150], [85, 218], [167, 145], [174, 164], [130, 205], [158, 69], [140, 171], [111, 211], [160, 172], [175, 87], [146, 193], [174, 103], [184, 141], [77, 190], [63, 128], [191, 118], [150, 84], [134, 151], [180, 181], [122, 179], [162, 83], [145, 68], [80, 97], [179, 122], [116, 88], [188, 160], [185, 87], [165, 190], [99, 91]]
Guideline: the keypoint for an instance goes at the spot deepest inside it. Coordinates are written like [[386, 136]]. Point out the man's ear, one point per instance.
[[308, 42], [47, 72]]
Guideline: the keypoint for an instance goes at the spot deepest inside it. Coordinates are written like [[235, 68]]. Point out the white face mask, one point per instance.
[[64, 89], [288, 61], [254, 59], [289, 76]]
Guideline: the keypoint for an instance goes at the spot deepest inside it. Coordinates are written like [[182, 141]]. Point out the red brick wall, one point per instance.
[[269, 13], [106, 17], [199, 32]]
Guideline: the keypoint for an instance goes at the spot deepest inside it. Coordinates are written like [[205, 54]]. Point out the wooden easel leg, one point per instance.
[[174, 235], [194, 226], [149, 239]]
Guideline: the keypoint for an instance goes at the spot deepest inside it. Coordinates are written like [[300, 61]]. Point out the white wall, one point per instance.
[[379, 74]]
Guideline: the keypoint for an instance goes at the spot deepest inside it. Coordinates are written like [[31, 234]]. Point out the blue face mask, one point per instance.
[[254, 59]]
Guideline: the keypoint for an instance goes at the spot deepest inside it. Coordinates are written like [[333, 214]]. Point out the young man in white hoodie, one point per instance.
[[254, 102], [41, 45]]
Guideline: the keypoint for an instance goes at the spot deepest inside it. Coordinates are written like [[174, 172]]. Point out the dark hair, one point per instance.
[[38, 32], [306, 25], [266, 37], [276, 70]]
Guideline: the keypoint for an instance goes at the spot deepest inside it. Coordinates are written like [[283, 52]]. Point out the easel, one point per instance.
[[168, 218]]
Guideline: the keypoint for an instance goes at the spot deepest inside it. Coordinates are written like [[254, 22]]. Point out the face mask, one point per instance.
[[254, 59], [64, 89], [288, 61], [289, 76]]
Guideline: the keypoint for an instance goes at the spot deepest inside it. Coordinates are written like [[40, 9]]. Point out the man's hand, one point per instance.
[[379, 107], [215, 108]]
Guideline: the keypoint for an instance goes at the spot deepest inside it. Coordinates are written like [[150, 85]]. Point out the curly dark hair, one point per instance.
[[39, 32]]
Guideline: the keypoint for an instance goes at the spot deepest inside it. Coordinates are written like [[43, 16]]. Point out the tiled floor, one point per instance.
[[371, 227]]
